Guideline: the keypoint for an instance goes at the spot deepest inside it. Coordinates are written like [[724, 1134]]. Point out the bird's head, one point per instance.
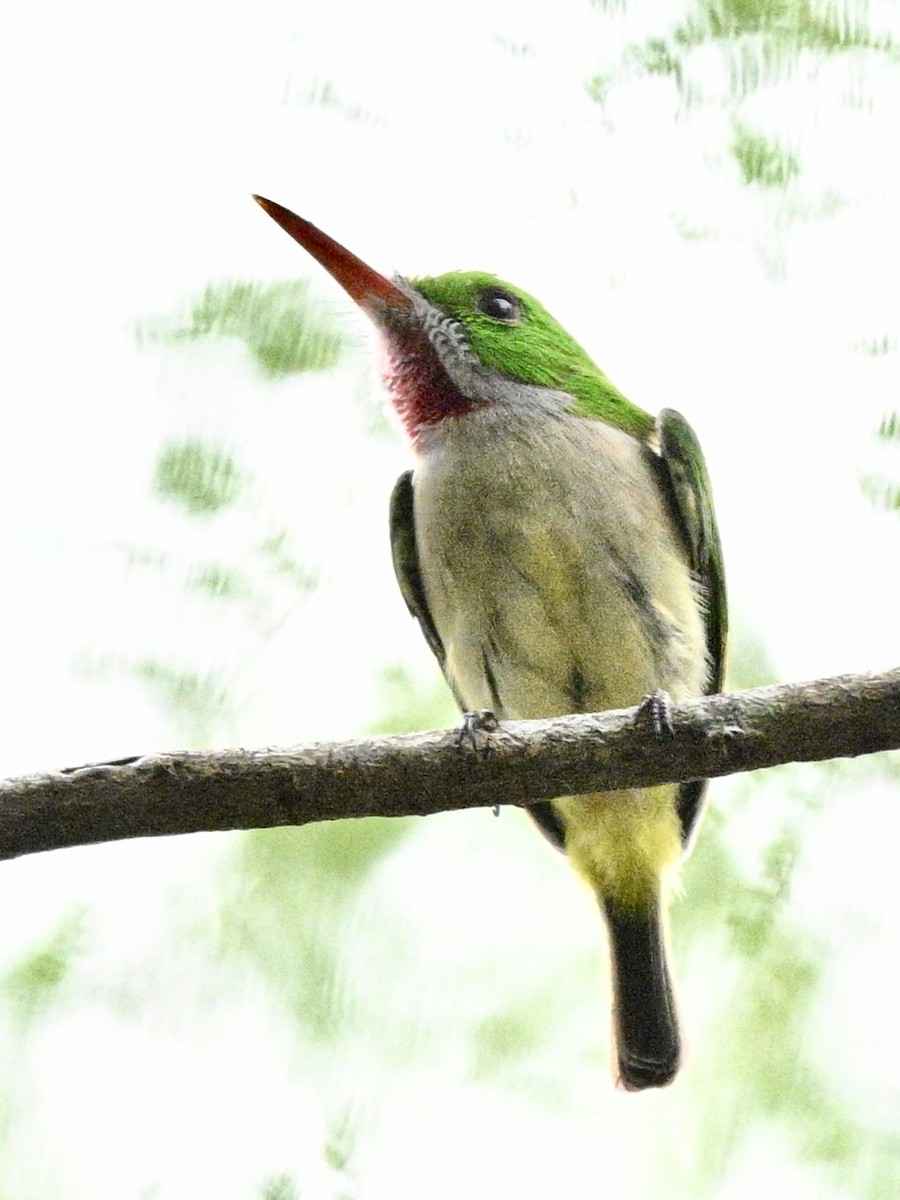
[[464, 340]]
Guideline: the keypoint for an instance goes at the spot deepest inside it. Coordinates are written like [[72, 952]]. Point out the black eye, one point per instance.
[[496, 302]]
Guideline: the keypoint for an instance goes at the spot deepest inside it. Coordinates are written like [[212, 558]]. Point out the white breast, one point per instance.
[[555, 575]]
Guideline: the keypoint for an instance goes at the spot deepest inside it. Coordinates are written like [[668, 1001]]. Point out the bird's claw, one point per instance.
[[657, 706], [475, 723]]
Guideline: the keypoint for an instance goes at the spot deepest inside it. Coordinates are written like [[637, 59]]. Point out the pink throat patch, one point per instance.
[[421, 390]]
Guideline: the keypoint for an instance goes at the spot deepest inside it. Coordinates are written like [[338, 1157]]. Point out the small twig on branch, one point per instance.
[[421, 773]]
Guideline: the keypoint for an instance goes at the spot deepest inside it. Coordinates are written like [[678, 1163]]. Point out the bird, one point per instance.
[[559, 549]]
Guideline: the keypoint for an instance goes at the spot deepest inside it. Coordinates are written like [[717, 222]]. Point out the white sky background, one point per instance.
[[133, 143]]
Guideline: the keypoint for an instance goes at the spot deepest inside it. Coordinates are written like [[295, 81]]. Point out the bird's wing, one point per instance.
[[406, 562], [687, 482]]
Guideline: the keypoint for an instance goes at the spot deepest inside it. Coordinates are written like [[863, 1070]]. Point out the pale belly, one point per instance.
[[558, 583], [554, 574]]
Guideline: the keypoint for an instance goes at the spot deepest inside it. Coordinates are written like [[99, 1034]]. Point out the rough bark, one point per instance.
[[519, 763]]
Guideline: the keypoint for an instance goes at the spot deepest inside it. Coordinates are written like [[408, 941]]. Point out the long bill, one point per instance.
[[361, 282]]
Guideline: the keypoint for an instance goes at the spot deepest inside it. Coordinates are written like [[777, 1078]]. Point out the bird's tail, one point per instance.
[[645, 1025]]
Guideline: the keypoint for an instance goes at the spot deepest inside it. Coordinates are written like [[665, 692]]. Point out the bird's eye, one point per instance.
[[498, 303]]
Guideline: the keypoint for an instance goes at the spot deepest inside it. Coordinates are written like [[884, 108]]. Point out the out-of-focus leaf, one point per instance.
[[282, 1187], [882, 490], [797, 22], [283, 331], [761, 160], [221, 582], [32, 985], [761, 39], [201, 478]]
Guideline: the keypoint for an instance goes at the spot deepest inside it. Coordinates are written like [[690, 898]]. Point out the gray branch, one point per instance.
[[520, 763]]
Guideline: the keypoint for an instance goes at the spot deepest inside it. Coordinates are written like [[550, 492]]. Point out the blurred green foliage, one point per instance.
[[884, 492], [761, 39], [31, 986], [198, 701], [221, 582], [284, 562], [747, 662], [657, 57], [405, 707], [799, 23], [759, 1069], [761, 160], [876, 347], [283, 331], [762, 1068], [341, 1143], [881, 492], [293, 888], [286, 901], [282, 1187], [200, 477]]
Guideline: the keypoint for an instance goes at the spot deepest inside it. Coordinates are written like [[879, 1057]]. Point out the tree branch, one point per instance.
[[421, 773]]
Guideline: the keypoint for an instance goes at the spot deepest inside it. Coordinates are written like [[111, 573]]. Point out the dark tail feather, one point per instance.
[[644, 1021]]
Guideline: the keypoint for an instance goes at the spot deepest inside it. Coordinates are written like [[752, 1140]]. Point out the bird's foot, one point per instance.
[[475, 724], [657, 708]]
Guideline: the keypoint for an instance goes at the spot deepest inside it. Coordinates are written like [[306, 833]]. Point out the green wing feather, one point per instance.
[[406, 562], [687, 480]]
